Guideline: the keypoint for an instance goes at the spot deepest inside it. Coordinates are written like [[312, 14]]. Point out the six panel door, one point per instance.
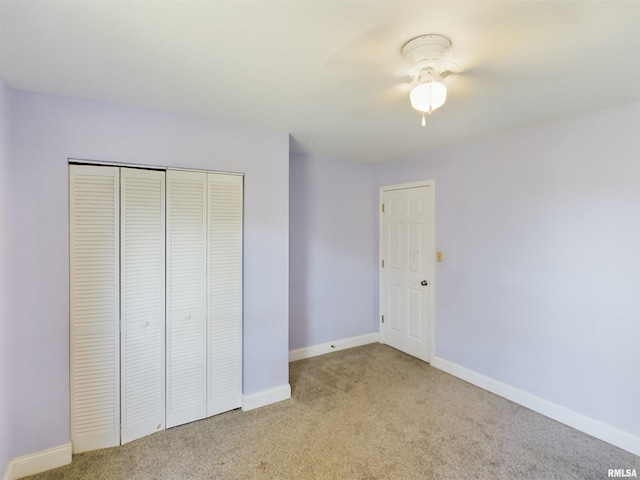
[[406, 275]]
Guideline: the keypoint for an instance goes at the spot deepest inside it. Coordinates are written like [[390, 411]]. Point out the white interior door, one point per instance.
[[186, 297], [142, 302], [407, 279], [224, 285], [94, 240]]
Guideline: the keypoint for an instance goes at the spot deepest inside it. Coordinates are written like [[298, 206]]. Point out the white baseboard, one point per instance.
[[8, 473], [595, 428], [39, 462], [315, 350], [266, 397]]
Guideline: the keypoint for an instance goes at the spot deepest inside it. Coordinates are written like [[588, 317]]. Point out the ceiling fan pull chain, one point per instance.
[[424, 121]]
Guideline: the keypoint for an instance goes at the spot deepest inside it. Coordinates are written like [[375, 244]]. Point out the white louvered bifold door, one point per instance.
[[224, 302], [142, 283], [186, 297], [94, 307]]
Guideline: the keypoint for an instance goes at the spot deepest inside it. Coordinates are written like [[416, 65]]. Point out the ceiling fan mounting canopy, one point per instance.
[[427, 52]]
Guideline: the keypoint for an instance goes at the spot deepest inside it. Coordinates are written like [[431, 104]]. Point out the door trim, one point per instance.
[[431, 256]]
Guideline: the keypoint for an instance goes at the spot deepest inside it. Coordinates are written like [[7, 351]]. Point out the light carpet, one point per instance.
[[369, 413]]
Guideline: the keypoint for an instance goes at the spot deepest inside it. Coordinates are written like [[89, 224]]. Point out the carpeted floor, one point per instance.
[[366, 413]]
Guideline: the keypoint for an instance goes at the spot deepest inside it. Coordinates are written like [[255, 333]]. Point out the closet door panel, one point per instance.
[[94, 306], [142, 283], [186, 297], [224, 292]]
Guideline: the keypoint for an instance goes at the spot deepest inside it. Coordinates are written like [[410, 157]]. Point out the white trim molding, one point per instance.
[[266, 397], [8, 473], [595, 428], [39, 462], [321, 349]]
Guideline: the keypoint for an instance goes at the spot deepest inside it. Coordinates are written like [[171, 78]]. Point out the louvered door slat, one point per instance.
[[94, 306], [186, 297], [142, 237], [224, 292]]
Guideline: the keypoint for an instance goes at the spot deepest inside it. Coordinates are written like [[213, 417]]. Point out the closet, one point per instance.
[[155, 300]]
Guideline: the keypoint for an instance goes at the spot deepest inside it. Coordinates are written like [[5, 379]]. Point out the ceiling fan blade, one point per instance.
[[395, 91], [374, 52], [449, 77]]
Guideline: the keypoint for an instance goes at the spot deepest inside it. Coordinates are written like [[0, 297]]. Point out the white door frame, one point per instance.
[[431, 257]]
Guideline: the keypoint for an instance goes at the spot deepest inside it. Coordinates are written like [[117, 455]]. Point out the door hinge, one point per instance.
[[382, 318], [382, 263], [383, 208]]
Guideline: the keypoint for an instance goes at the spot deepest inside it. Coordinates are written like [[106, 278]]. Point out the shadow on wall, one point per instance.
[[332, 250]]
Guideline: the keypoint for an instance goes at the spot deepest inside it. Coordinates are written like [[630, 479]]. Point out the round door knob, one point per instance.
[[424, 282]]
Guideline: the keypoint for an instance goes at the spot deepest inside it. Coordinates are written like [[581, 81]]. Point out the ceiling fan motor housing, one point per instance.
[[426, 53]]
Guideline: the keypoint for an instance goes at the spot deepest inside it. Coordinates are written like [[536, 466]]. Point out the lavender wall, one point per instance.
[[47, 131], [5, 316], [539, 287], [333, 250], [540, 231]]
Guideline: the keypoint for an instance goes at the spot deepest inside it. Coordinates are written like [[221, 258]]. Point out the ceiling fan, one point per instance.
[[424, 62], [428, 66]]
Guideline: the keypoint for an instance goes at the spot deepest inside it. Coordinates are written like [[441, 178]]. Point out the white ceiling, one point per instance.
[[330, 71]]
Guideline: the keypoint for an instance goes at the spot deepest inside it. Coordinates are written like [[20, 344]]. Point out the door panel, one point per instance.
[[186, 297], [416, 253], [407, 249], [395, 248], [224, 292], [94, 216], [142, 317], [414, 314], [394, 315]]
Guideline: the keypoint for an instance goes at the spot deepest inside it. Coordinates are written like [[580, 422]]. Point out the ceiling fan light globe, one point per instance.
[[428, 96]]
